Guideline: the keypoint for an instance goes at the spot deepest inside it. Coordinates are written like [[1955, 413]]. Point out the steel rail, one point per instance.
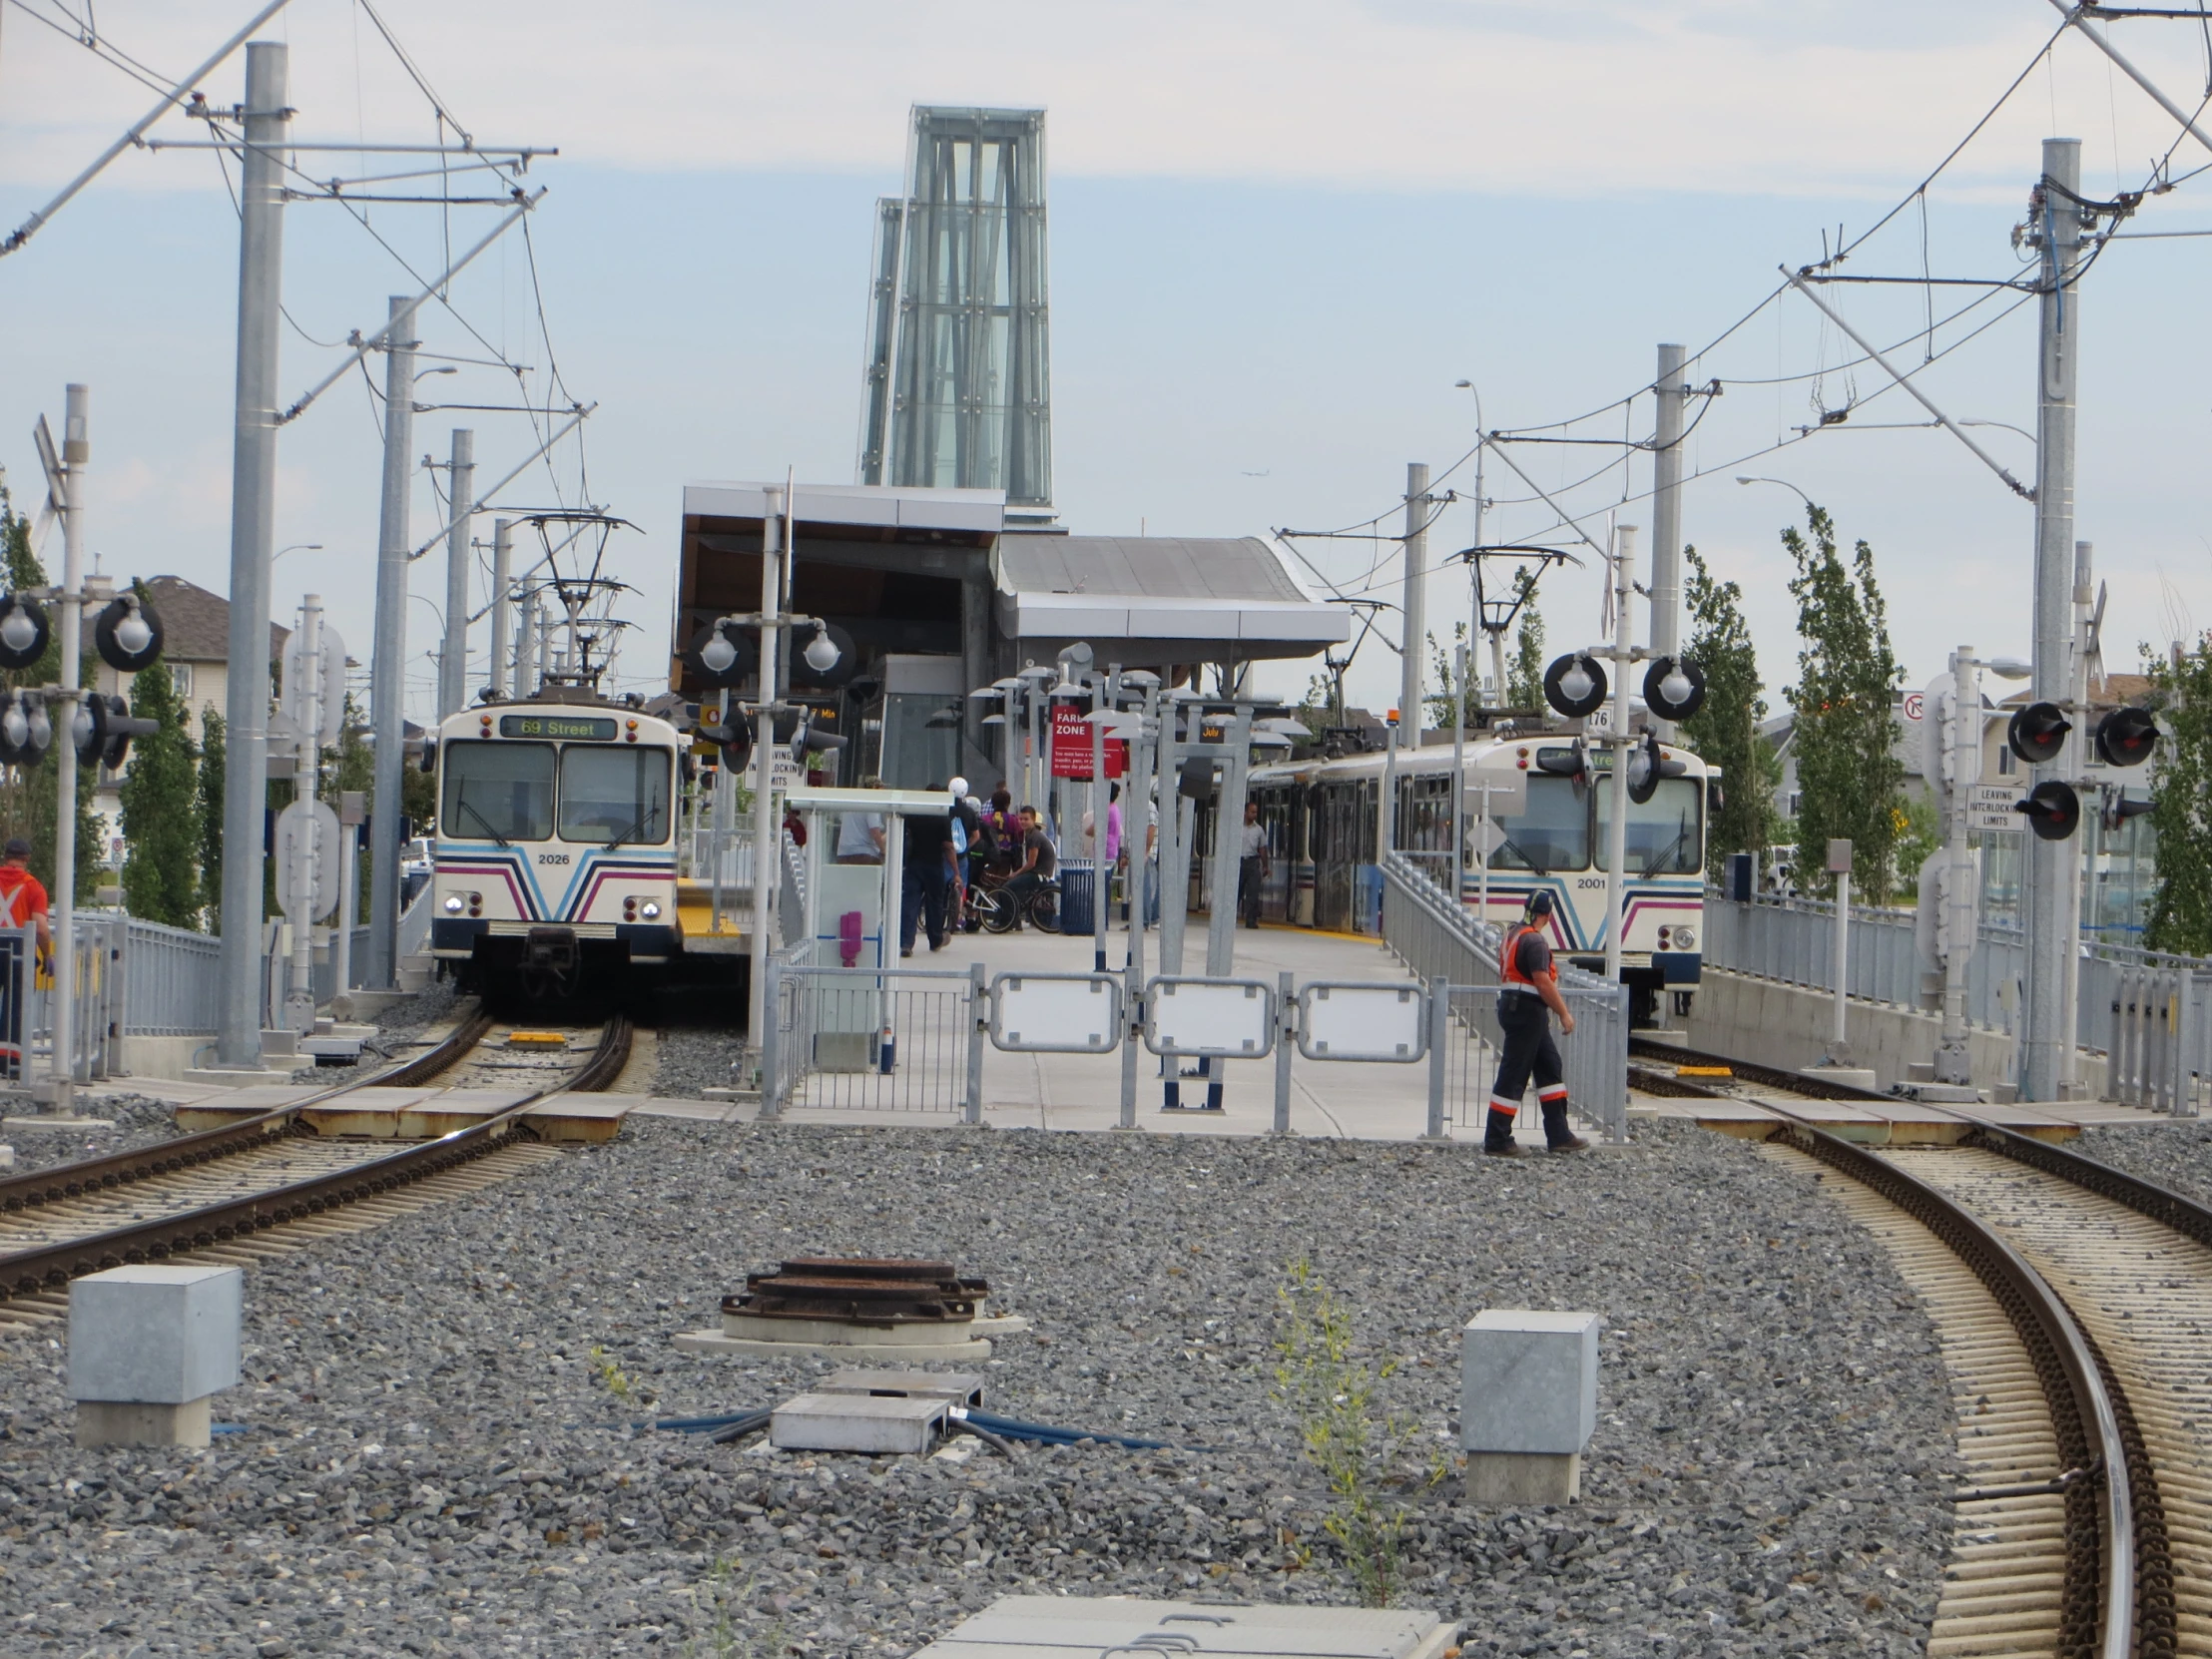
[[1759, 1076], [115, 1169], [32, 1272], [2098, 1594]]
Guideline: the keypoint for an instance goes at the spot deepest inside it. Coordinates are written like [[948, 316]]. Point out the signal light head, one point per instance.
[[720, 653], [1674, 687], [127, 634], [1574, 685], [24, 631], [2037, 732], [2126, 737], [2116, 809], [2053, 810]]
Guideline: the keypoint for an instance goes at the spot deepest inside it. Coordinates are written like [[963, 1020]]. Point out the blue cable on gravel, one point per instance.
[[735, 1425]]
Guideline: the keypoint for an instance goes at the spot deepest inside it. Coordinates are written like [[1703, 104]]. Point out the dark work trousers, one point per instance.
[[1247, 891], [1529, 1052], [926, 886]]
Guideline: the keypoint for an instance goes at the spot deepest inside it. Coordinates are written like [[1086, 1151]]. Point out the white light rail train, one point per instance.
[[1553, 803], [555, 859]]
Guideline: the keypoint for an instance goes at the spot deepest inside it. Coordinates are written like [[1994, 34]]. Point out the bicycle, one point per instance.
[[990, 900]]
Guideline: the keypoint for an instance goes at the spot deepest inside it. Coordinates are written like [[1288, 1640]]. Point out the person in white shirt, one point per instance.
[[1253, 864]]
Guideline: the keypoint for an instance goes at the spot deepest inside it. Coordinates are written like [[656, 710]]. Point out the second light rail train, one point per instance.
[[1324, 823]]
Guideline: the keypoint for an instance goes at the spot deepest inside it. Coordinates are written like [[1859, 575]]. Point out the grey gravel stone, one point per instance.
[[2174, 1154], [437, 1461], [137, 1120], [691, 1060]]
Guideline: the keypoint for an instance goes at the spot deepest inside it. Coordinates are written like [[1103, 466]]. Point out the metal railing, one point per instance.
[[1432, 934], [170, 987], [2159, 1047], [871, 1039]]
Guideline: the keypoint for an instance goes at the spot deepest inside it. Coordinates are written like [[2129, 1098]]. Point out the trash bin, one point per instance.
[[1076, 891]]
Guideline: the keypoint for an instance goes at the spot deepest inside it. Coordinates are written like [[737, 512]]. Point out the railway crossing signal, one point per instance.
[[2116, 810], [1674, 689], [127, 634], [2037, 732], [721, 653], [1646, 767], [2126, 737], [25, 631], [1575, 685], [2053, 810]]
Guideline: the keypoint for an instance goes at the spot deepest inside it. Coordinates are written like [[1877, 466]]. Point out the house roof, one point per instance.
[[195, 624]]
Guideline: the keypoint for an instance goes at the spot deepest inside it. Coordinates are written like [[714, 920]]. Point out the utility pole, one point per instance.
[[460, 480], [526, 643], [2069, 970], [2050, 929], [388, 682], [76, 455], [1416, 581], [1960, 923], [765, 834], [1666, 516], [1616, 832], [502, 561], [268, 122]]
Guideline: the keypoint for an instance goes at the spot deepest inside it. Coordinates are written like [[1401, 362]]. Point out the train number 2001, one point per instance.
[[1589, 882], [552, 858]]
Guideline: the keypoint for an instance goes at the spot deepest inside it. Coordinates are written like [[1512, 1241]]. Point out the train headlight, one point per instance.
[[1685, 938], [650, 908], [455, 903]]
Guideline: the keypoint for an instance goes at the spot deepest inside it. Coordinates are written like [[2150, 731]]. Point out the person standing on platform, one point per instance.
[[1253, 864], [968, 834], [926, 878], [1528, 995]]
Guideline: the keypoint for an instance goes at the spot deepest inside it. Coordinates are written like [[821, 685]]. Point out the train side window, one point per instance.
[[500, 789], [1554, 833], [615, 794]]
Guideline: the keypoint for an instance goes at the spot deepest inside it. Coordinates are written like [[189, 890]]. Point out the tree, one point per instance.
[[1848, 774], [2181, 801], [1524, 674], [1725, 732], [212, 761], [1442, 704], [161, 811]]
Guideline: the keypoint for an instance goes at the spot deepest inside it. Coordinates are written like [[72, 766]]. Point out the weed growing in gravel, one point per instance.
[[723, 1639], [1358, 1449], [616, 1379]]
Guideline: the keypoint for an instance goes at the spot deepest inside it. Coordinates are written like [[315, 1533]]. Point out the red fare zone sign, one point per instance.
[[1071, 746]]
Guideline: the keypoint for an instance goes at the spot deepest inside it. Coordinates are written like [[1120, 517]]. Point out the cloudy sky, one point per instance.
[[1280, 233]]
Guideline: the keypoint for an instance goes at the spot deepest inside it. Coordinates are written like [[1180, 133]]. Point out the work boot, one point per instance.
[[1497, 1135], [1557, 1136]]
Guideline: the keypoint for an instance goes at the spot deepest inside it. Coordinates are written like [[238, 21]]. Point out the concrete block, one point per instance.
[[1523, 1479], [1094, 1627], [962, 1388], [1849, 1077], [121, 1423], [155, 1336], [7, 1157], [858, 1422], [1528, 1381]]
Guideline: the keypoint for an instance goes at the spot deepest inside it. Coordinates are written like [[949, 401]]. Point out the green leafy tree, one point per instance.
[[2181, 801], [1725, 732], [1848, 774], [160, 808], [1442, 704], [213, 750], [1525, 671]]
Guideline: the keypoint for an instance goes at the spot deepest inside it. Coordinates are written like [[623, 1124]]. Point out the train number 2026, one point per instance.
[[552, 858]]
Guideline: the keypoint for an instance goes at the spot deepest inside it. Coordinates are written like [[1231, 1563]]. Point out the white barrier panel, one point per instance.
[[1056, 1014], [1221, 1019], [1345, 1021]]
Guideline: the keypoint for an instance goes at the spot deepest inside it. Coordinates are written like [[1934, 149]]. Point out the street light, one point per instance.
[[1784, 483], [296, 547]]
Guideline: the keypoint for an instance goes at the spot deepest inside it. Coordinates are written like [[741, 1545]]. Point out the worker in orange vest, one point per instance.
[[1528, 995]]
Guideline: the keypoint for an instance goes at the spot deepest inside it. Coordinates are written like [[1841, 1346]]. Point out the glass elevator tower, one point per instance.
[[959, 390]]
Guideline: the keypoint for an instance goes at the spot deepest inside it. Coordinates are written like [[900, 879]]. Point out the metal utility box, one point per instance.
[[858, 1422], [1075, 1627]]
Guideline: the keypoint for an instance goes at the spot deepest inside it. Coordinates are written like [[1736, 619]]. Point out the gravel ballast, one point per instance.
[[2173, 1154], [435, 1461], [123, 1122]]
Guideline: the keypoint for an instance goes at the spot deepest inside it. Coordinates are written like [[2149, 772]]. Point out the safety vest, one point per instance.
[[1509, 960]]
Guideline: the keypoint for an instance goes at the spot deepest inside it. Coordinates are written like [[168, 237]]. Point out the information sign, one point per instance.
[[562, 728], [1989, 806], [1071, 746]]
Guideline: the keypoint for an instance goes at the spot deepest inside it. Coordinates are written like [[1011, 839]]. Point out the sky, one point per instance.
[[1280, 235]]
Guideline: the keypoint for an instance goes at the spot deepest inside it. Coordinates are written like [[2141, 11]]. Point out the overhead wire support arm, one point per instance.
[[1565, 519], [373, 342], [135, 135], [2078, 17], [483, 499], [1904, 380]]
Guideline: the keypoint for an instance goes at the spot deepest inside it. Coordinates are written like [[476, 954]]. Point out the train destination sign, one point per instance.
[[571, 728]]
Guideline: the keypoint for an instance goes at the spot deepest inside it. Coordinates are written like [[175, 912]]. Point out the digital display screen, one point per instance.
[[570, 727]]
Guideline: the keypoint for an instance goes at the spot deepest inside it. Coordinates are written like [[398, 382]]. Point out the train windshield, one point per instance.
[[614, 796], [500, 789], [1662, 833], [1554, 833]]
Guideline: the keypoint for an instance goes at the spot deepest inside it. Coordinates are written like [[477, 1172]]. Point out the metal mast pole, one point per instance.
[[387, 684], [2050, 931], [1416, 581], [502, 561], [764, 778], [1616, 832], [2069, 970], [76, 455], [252, 541], [1961, 879], [1666, 516], [453, 661], [306, 707]]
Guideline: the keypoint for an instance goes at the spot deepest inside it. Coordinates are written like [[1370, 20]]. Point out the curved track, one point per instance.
[[225, 1190]]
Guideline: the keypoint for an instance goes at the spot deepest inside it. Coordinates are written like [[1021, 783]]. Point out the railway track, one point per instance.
[[1654, 1068], [268, 1183]]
